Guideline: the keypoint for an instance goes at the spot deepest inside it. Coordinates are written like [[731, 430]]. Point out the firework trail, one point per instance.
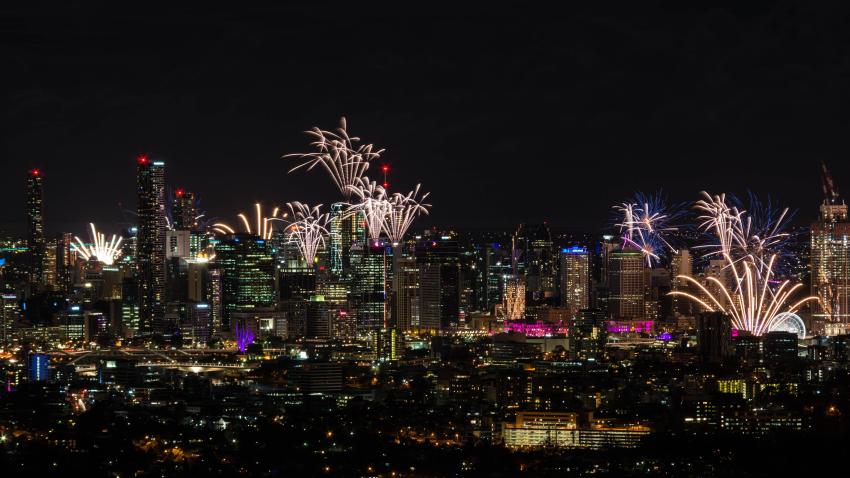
[[756, 301], [373, 204], [308, 229], [336, 152], [100, 249], [646, 224], [738, 233], [402, 211], [263, 226]]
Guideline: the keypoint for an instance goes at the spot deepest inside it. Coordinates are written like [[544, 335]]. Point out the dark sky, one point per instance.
[[506, 114]]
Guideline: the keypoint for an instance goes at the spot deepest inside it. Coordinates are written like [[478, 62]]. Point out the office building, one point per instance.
[[575, 279], [150, 244], [35, 226]]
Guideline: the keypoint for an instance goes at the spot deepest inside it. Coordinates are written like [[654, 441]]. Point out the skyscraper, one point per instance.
[[438, 255], [368, 286], [714, 336], [248, 271], [626, 282], [37, 367], [588, 335], [575, 279], [407, 294], [681, 265], [35, 226], [184, 210], [150, 248], [64, 260], [533, 257], [830, 265]]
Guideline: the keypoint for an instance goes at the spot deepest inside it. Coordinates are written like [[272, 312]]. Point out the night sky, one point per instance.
[[506, 114]]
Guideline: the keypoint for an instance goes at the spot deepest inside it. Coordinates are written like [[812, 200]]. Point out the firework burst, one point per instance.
[[402, 211], [373, 204], [308, 229], [645, 225], [338, 154], [100, 249], [758, 234], [263, 226], [756, 301]]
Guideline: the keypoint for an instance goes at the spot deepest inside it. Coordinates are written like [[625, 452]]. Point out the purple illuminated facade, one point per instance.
[[244, 337], [536, 329], [630, 326]]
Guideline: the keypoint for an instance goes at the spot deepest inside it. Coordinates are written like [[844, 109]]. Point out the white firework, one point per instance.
[[308, 229], [337, 153], [373, 204], [263, 226], [646, 223], [100, 249], [755, 301], [738, 233], [402, 211]]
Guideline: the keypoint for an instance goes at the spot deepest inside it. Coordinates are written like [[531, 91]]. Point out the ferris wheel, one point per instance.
[[789, 322]]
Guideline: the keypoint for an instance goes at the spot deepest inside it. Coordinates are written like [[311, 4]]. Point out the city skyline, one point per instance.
[[307, 239], [256, 83]]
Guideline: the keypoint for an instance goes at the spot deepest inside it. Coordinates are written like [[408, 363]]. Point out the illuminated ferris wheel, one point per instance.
[[789, 322]]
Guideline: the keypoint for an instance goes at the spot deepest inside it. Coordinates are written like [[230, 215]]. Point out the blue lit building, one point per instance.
[[37, 367]]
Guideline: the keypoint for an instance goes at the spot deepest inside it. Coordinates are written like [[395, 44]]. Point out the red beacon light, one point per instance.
[[142, 159], [35, 172], [179, 192]]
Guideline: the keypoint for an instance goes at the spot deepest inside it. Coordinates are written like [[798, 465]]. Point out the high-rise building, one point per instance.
[[681, 264], [248, 271], [150, 248], [514, 297], [406, 294], [345, 229], [178, 244], [296, 286], [35, 226], [780, 346], [37, 367], [497, 262], [575, 279], [439, 258], [369, 265], [714, 337], [534, 258], [215, 298], [64, 260], [830, 265], [184, 210], [626, 284], [588, 335], [317, 318]]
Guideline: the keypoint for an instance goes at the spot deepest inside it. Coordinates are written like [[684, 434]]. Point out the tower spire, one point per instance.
[[830, 192]]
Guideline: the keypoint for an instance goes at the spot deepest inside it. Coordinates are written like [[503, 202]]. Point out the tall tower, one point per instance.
[[35, 226], [534, 258], [626, 282], [184, 210], [150, 253], [830, 260], [681, 265], [575, 279], [248, 270]]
